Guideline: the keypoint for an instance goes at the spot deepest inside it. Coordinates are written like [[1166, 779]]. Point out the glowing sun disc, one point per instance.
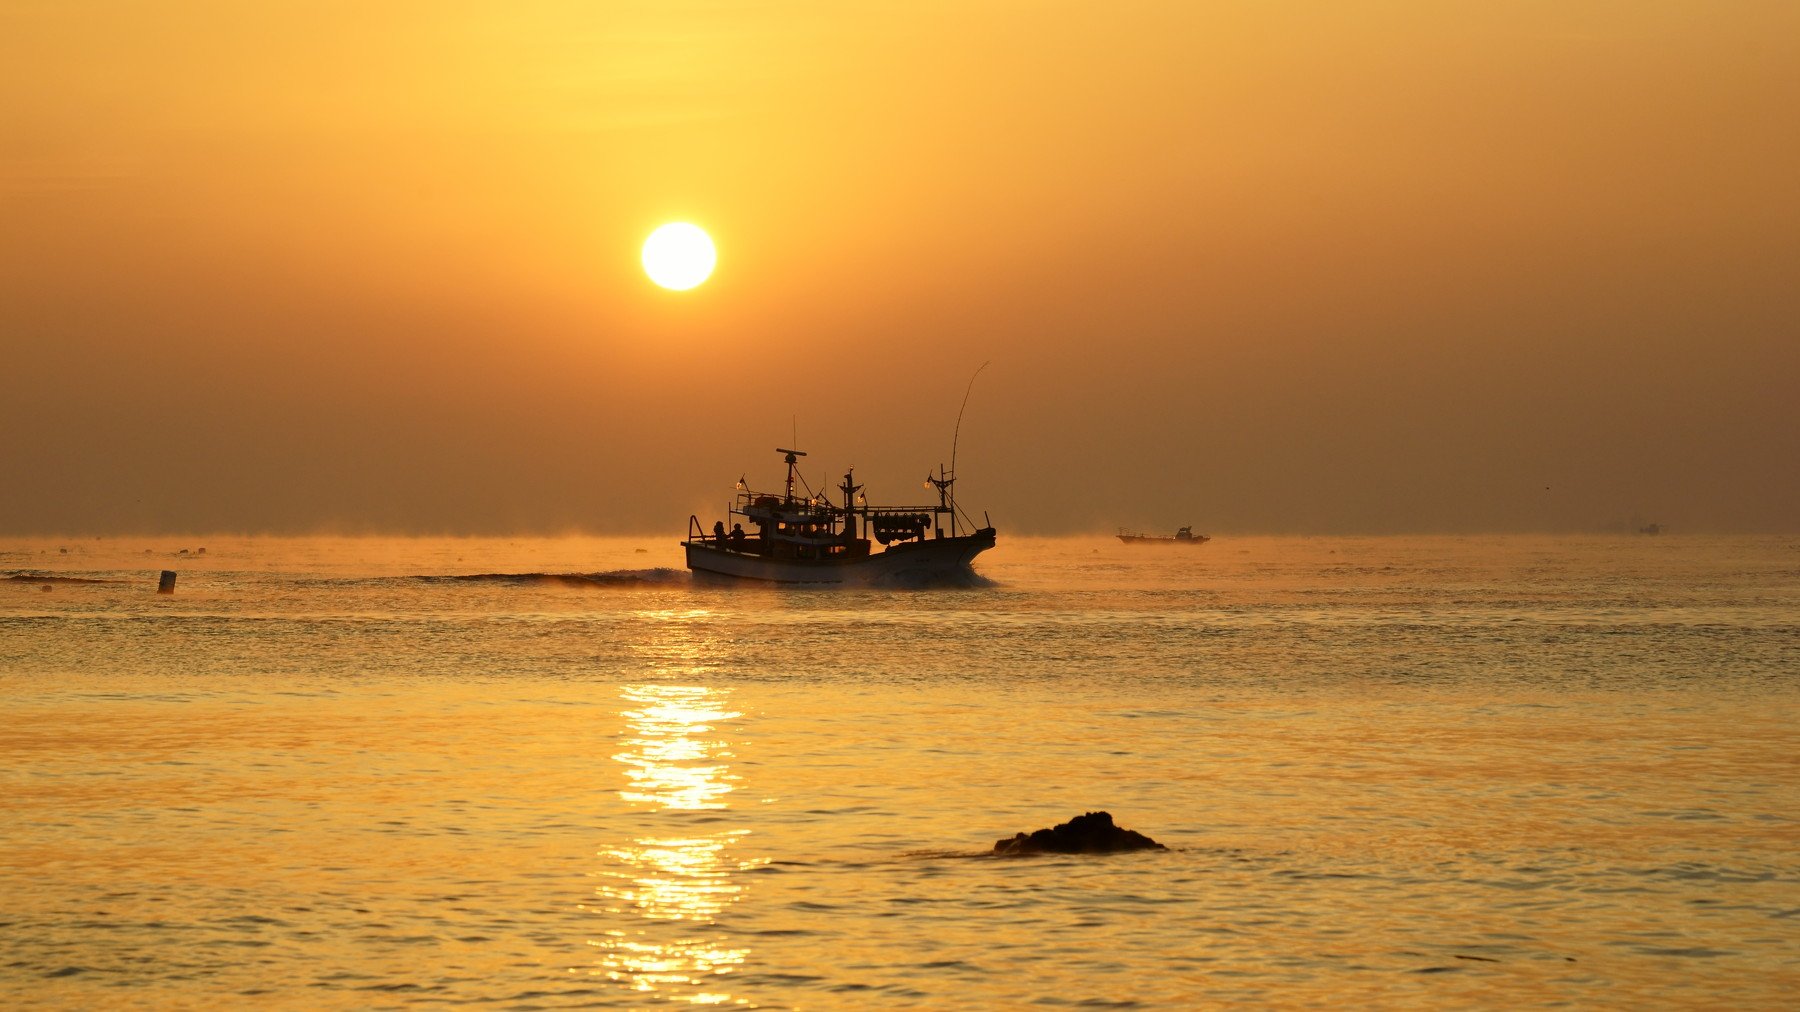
[[679, 256]]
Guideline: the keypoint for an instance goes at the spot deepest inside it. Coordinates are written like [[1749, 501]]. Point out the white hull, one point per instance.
[[917, 563]]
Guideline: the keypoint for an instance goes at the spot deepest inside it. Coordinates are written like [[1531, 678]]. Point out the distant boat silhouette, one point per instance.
[[1185, 536]]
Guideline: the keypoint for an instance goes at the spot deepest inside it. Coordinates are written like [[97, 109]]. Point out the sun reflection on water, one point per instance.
[[669, 762], [663, 892]]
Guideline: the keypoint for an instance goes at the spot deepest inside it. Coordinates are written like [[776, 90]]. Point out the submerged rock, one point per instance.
[[1093, 833]]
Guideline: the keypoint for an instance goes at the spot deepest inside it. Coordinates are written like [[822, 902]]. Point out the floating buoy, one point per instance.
[[166, 585]]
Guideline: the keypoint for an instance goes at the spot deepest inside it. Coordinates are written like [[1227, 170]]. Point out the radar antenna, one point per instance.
[[793, 457]]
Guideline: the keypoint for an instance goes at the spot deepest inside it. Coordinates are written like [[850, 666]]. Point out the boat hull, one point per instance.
[[932, 562], [1141, 539]]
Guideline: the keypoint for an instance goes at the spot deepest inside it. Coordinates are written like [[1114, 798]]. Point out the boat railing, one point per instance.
[[821, 503], [819, 508], [698, 532], [731, 541], [901, 511]]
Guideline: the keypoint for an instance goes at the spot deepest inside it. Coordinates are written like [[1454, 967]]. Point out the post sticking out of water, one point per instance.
[[166, 585]]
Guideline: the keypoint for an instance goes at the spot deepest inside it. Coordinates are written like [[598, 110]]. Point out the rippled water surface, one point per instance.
[[369, 773]]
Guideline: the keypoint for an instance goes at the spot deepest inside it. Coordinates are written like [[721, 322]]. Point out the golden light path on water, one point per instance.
[[675, 763]]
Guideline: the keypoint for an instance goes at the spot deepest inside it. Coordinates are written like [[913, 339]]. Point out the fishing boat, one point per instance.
[[1185, 536], [805, 538]]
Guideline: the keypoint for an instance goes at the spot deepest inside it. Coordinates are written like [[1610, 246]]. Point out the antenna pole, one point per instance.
[[955, 437], [957, 434]]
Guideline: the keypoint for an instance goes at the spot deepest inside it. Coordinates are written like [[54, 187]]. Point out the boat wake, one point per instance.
[[617, 578], [45, 578]]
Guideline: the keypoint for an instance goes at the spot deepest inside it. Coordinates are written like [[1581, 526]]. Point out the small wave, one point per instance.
[[613, 578], [924, 580]]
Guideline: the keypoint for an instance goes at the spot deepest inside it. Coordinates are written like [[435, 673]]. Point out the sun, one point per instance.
[[679, 256]]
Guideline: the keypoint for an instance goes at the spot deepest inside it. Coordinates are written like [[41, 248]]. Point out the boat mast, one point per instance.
[[942, 483], [850, 488]]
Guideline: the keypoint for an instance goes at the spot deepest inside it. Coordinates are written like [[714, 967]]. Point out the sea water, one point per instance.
[[371, 773]]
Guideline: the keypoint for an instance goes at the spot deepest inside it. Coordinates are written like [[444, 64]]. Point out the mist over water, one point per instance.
[[364, 772]]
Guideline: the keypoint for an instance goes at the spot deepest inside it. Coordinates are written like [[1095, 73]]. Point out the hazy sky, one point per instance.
[[1251, 266]]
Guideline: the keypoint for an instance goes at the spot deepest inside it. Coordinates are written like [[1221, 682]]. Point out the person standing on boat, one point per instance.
[[719, 531]]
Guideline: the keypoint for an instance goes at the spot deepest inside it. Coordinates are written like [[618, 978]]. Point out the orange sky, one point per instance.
[[1252, 266]]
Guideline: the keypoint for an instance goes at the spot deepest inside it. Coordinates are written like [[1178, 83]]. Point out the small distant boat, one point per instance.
[[1185, 536], [808, 539], [1651, 529]]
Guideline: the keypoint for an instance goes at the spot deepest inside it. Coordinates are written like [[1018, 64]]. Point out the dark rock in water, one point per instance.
[[1093, 833]]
